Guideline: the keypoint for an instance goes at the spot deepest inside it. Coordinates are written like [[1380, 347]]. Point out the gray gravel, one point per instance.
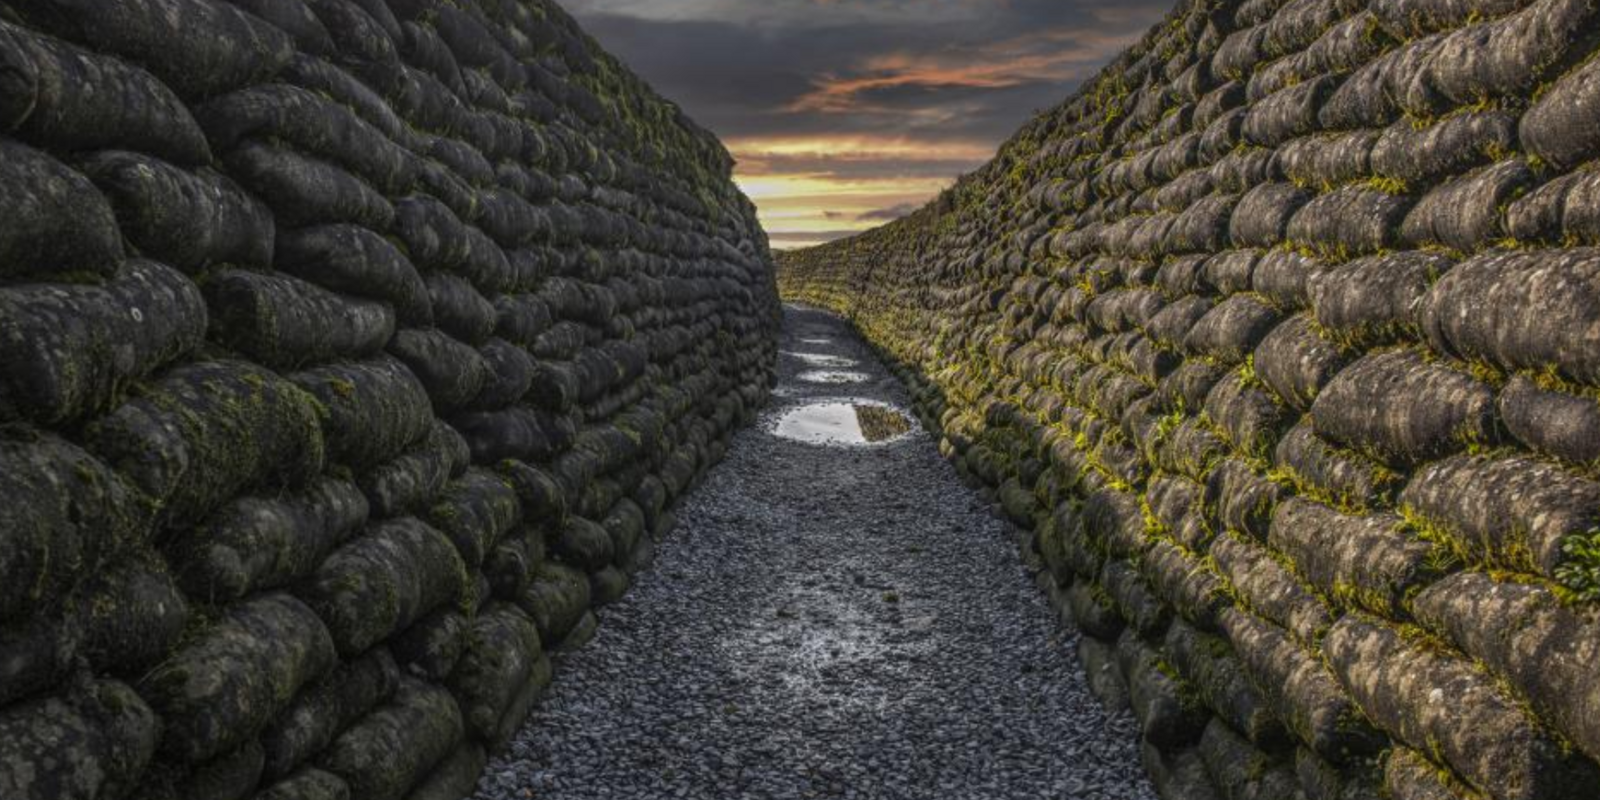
[[826, 622]]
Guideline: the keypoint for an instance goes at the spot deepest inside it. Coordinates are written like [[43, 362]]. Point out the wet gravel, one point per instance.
[[826, 621]]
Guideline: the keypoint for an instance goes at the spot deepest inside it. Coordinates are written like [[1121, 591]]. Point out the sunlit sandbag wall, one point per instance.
[[1283, 336], [351, 352]]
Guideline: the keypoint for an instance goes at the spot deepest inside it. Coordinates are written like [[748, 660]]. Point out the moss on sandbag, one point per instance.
[[72, 350], [1515, 512], [264, 542], [66, 513], [57, 225], [321, 710], [382, 581], [92, 742], [203, 432], [222, 687], [371, 410]]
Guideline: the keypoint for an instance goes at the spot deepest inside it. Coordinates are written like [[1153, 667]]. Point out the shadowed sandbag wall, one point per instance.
[[351, 352], [1283, 337]]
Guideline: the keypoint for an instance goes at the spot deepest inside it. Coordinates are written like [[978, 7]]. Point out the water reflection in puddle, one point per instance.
[[844, 422], [822, 359], [817, 340], [833, 376]]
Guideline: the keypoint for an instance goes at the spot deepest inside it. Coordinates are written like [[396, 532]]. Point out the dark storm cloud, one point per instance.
[[740, 68]]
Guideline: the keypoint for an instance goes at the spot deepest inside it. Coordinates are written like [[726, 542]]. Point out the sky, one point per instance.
[[846, 114]]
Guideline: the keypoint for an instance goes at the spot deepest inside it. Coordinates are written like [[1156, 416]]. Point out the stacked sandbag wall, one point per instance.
[[352, 352], [1282, 337]]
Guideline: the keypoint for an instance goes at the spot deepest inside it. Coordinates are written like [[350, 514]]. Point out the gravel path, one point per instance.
[[826, 622]]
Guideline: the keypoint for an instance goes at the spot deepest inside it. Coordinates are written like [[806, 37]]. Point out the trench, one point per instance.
[[826, 620]]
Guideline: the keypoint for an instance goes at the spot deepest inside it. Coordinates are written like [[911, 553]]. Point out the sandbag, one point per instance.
[[316, 715], [356, 261], [1520, 308], [67, 351], [1400, 409], [198, 47], [311, 125], [92, 742], [388, 751], [1300, 690], [503, 650], [45, 104], [264, 542], [451, 372], [224, 685], [66, 513], [131, 616], [57, 224], [1482, 734], [382, 581], [475, 511], [1522, 631], [302, 190], [371, 411], [189, 219], [1369, 561], [411, 479], [282, 321]]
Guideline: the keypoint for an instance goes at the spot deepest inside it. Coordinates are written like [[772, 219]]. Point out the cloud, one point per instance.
[[860, 107], [1053, 56], [888, 214]]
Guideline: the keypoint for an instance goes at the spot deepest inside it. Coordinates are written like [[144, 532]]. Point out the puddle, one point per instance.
[[833, 376], [817, 340], [844, 422], [822, 359]]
